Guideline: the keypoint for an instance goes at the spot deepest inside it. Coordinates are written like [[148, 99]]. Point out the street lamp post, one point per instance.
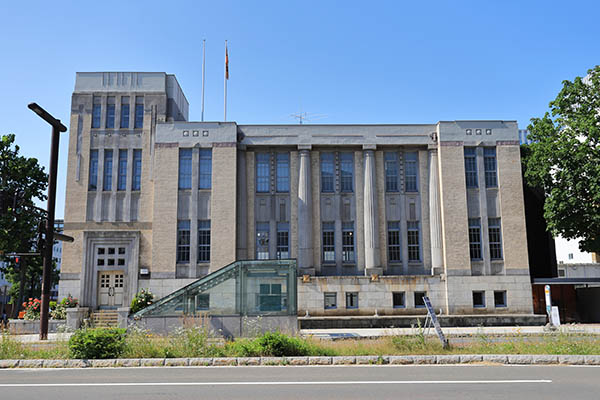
[[57, 128]]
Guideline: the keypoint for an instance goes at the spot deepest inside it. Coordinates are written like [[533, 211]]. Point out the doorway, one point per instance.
[[110, 289]]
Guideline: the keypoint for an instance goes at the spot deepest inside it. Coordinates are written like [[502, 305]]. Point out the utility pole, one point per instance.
[[57, 128]]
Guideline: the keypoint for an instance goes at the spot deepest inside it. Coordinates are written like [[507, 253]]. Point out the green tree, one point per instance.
[[564, 160], [22, 181]]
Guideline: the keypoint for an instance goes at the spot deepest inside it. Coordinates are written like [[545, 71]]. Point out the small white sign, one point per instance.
[[555, 316]]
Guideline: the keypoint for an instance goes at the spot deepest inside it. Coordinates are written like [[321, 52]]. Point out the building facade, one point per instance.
[[376, 215]]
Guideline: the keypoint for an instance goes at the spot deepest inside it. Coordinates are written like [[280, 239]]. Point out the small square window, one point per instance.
[[570, 256], [469, 131], [100, 250], [111, 261], [478, 299], [100, 261], [488, 131], [203, 301], [121, 261], [186, 133], [195, 133], [121, 250], [111, 250], [330, 300], [398, 299], [478, 131], [204, 133], [351, 299], [500, 298], [419, 302]]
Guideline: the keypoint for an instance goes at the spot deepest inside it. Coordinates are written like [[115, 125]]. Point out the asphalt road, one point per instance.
[[331, 382]]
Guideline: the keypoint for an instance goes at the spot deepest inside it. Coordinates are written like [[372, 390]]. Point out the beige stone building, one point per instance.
[[376, 215]]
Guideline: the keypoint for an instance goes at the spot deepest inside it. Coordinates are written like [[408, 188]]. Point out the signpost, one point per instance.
[[434, 320]]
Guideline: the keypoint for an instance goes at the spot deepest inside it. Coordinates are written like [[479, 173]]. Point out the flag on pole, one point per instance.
[[226, 63]]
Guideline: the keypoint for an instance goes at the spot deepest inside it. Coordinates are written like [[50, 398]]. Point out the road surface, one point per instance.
[[328, 382]]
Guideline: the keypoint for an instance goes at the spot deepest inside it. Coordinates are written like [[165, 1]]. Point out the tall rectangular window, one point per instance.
[[327, 172], [122, 182], [283, 172], [96, 113], [394, 242], [108, 166], [283, 240], [136, 181], [205, 174], [475, 238], [203, 241], [110, 112], [139, 112], [411, 171], [347, 172], [262, 240], [124, 112], [391, 172], [351, 299], [93, 184], [471, 167], [185, 168], [495, 235], [328, 242], [183, 241], [348, 242], [489, 163], [414, 248], [263, 169]]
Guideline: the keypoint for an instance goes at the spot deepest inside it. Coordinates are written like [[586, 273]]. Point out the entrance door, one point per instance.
[[110, 289]]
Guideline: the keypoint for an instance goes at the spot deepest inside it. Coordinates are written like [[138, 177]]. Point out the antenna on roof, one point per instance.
[[304, 116]]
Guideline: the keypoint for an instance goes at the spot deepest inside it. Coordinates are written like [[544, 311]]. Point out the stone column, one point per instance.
[[305, 255], [370, 214], [435, 217]]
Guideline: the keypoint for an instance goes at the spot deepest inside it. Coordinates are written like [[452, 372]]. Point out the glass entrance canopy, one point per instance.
[[256, 287]]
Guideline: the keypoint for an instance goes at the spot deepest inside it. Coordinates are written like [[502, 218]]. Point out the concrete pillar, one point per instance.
[[304, 212], [370, 214], [435, 217]]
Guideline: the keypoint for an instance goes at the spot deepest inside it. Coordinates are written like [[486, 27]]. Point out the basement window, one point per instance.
[[500, 298], [330, 300], [419, 302], [478, 299], [398, 299]]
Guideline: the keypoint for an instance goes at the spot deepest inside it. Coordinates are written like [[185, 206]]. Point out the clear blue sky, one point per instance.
[[354, 61]]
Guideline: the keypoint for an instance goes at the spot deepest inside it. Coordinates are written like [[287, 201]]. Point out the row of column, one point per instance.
[[371, 229]]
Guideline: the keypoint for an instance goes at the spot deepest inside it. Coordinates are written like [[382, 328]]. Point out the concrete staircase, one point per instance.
[[105, 319]]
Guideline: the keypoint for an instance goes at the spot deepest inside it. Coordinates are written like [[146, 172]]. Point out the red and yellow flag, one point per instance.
[[226, 63]]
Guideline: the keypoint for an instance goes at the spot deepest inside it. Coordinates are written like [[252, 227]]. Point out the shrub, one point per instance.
[[141, 300], [97, 343], [32, 309], [277, 344], [58, 311], [69, 302]]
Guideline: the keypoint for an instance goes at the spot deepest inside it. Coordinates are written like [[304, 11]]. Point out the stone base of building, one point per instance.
[[411, 321]]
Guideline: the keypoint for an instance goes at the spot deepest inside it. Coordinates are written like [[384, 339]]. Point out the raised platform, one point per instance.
[[401, 321]]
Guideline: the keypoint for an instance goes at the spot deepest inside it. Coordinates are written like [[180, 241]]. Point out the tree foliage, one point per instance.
[[564, 160], [22, 181]]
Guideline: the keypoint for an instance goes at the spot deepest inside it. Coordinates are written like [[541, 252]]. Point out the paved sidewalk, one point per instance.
[[467, 331]]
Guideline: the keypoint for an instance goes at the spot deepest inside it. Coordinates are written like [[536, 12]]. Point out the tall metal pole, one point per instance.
[[49, 240], [203, 74], [225, 83]]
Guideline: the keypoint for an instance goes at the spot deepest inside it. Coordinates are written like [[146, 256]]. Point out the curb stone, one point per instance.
[[343, 360], [448, 359], [152, 362], [248, 361], [176, 362], [495, 358], [319, 360], [518, 359], [200, 362], [297, 360]]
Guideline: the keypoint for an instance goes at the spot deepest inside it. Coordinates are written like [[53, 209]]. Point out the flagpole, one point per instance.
[[225, 84], [203, 73]]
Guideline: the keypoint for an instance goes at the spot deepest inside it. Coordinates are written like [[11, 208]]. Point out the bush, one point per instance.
[[141, 300], [97, 343], [277, 344], [69, 302], [32, 309], [58, 311]]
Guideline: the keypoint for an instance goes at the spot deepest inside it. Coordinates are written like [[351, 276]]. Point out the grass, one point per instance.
[[196, 342]]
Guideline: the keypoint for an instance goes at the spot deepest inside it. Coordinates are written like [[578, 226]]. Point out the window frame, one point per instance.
[[353, 303], [495, 246], [402, 303], [490, 166], [282, 172], [327, 172], [391, 174], [263, 227], [283, 241], [263, 165], [346, 172], [328, 242], [330, 295], [125, 109], [136, 178], [204, 231], [205, 169], [418, 299], [348, 249], [409, 164], [138, 121], [504, 303], [183, 253], [413, 234], [471, 173], [93, 172], [109, 123], [475, 245], [184, 178], [479, 293], [394, 227], [96, 116], [122, 170], [107, 170]]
